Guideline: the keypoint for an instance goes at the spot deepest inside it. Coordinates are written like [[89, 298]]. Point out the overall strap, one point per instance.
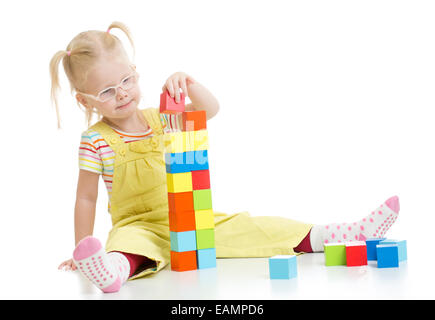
[[152, 115], [109, 135]]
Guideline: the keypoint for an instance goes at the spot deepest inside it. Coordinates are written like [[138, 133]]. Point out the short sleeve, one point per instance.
[[89, 157], [171, 122]]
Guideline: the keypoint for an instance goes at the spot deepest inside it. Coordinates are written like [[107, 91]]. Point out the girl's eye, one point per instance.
[[127, 80], [106, 91]]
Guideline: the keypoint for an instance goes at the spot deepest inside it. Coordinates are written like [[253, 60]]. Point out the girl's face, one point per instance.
[[110, 72]]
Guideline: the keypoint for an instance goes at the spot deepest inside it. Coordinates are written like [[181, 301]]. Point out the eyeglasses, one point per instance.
[[109, 93]]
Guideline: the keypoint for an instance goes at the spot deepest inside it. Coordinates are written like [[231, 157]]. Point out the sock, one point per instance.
[[107, 271], [375, 225]]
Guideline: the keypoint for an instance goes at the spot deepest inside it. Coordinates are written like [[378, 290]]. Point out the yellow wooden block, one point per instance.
[[177, 142], [174, 142], [204, 219], [198, 140], [179, 182]]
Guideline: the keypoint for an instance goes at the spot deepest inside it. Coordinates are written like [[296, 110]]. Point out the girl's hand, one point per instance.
[[175, 82], [67, 265]]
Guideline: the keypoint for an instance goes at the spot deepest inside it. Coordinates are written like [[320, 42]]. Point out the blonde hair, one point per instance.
[[80, 55]]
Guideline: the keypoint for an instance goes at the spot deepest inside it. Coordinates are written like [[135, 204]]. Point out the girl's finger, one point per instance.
[[170, 88], [177, 90], [184, 86]]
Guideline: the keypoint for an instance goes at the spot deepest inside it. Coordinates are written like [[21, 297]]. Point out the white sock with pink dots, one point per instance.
[[375, 225], [107, 271]]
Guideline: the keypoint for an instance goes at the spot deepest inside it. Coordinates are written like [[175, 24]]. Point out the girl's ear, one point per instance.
[[82, 100]]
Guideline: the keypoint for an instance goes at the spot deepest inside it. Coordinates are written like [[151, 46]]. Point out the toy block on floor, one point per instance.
[[401, 245], [168, 104], [182, 221], [335, 254], [204, 219], [194, 120], [206, 258], [188, 186], [283, 267], [202, 199], [388, 255], [183, 261], [205, 239], [183, 241], [179, 182], [200, 179], [180, 201], [371, 247], [356, 253]]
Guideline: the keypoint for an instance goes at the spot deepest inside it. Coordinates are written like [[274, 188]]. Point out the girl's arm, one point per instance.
[[86, 200], [84, 212], [201, 98]]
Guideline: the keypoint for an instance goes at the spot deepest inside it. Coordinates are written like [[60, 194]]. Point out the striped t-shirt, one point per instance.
[[97, 156]]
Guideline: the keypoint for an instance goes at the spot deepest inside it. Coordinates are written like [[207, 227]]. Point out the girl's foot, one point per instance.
[[375, 225], [107, 271]]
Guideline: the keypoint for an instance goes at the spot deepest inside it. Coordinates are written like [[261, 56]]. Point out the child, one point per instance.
[[125, 148]]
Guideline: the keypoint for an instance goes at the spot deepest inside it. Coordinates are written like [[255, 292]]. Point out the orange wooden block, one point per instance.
[[182, 221], [194, 120], [180, 201], [183, 261]]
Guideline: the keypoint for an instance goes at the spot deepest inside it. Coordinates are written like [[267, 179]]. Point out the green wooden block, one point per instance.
[[335, 254], [202, 199], [205, 239]]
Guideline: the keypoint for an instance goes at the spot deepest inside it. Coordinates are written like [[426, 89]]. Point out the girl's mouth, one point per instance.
[[125, 105]]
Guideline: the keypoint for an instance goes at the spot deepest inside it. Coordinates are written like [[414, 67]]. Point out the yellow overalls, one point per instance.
[[139, 208]]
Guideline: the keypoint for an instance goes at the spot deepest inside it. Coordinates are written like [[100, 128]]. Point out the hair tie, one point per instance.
[[108, 30], [68, 53]]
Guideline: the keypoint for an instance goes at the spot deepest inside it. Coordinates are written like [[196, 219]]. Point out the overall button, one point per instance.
[[122, 152], [154, 143], [113, 140]]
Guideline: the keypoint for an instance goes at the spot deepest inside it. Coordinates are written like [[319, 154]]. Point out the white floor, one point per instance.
[[238, 279]]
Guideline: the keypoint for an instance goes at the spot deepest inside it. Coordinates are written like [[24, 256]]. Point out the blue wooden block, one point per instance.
[[371, 247], [206, 258], [402, 247], [183, 241], [283, 267], [176, 162], [199, 160], [186, 161], [388, 255]]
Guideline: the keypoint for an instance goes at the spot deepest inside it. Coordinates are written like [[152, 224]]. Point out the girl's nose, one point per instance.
[[121, 93]]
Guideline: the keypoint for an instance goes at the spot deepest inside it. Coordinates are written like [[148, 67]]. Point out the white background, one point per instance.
[[327, 109]]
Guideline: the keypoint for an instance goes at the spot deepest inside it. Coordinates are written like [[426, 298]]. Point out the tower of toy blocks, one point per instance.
[[191, 219]]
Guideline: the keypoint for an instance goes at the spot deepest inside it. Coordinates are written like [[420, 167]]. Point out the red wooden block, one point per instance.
[[182, 221], [180, 201], [201, 179], [356, 253], [168, 104], [183, 261], [194, 120]]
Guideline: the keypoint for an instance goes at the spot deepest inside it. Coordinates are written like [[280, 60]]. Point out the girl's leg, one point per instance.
[[304, 245], [375, 225], [107, 271]]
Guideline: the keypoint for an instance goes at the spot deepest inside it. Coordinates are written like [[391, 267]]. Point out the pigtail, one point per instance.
[[55, 84], [124, 28]]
